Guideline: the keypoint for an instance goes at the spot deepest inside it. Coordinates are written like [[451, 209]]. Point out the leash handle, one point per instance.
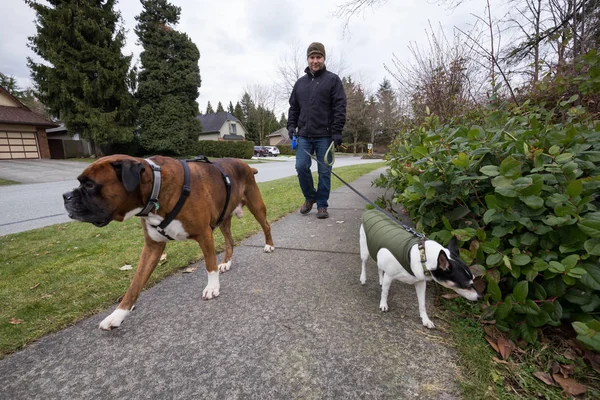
[[330, 149]]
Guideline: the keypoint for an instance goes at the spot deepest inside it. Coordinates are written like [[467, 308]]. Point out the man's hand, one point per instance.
[[337, 139], [294, 142]]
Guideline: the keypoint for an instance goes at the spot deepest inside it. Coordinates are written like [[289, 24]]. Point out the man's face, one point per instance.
[[315, 62]]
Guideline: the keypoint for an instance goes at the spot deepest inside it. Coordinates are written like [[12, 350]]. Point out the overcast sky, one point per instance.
[[242, 43]]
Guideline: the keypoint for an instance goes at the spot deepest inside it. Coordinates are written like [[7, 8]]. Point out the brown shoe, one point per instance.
[[322, 213], [306, 207]]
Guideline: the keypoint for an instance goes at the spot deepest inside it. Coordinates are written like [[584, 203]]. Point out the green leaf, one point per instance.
[[535, 188], [556, 267], [508, 191], [563, 158], [575, 188], [570, 261], [419, 152], [590, 227], [554, 150], [520, 291], [539, 319], [531, 308], [555, 287], [588, 334], [521, 259], [503, 310], [510, 167], [487, 217], [462, 161], [490, 170], [592, 278], [494, 291], [592, 246], [528, 333]]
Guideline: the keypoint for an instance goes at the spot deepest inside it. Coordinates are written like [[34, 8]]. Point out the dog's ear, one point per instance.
[[128, 172], [443, 263], [453, 247]]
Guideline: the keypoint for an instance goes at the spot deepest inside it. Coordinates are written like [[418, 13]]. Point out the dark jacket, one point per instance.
[[317, 105]]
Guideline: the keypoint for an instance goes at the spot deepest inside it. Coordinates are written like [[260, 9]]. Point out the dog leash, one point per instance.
[[407, 228]]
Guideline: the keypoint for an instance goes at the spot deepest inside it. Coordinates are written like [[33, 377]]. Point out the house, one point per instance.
[[221, 126], [280, 136], [64, 145], [22, 132]]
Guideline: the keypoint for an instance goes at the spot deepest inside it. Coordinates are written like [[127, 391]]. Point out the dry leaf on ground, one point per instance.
[[189, 269], [34, 286], [567, 370], [126, 267], [15, 321], [450, 296], [163, 258], [493, 344], [544, 377], [569, 385], [505, 346]]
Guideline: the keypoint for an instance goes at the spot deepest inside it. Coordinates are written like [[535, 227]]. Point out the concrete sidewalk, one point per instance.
[[294, 324]]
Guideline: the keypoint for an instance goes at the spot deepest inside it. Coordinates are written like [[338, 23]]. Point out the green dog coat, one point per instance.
[[382, 232]]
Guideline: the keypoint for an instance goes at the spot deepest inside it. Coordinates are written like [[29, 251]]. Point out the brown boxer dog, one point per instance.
[[117, 187]]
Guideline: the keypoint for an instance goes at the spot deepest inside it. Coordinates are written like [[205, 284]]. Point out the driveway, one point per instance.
[[41, 171]]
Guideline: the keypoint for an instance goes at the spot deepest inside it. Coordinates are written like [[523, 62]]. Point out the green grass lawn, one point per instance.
[[53, 276]]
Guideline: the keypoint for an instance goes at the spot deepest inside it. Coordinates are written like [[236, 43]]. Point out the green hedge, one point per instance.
[[219, 149], [286, 150], [520, 190]]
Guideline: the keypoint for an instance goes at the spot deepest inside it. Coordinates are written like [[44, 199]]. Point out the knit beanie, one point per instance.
[[315, 47]]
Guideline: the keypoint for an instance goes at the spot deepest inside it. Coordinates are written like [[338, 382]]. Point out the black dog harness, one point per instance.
[[185, 192]]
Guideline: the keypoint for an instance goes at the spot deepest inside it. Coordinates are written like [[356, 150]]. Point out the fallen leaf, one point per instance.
[[189, 269], [505, 347], [553, 367], [15, 321], [46, 296], [567, 370], [34, 286], [339, 222], [126, 267], [569, 385], [450, 296], [163, 257], [593, 358], [570, 354], [491, 331], [544, 377], [493, 344], [480, 285]]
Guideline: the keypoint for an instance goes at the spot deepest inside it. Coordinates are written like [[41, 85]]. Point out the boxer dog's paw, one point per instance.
[[363, 278], [225, 266], [113, 320], [268, 248], [383, 306], [212, 288]]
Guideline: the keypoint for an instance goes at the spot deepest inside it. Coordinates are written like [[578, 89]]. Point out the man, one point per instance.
[[316, 117]]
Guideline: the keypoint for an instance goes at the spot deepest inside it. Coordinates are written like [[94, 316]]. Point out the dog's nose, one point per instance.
[[67, 196]]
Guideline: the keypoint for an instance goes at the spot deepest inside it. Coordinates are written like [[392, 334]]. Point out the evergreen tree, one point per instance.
[[84, 81], [249, 118], [209, 108], [388, 112], [168, 81], [238, 113], [230, 109], [10, 84], [220, 107], [282, 121]]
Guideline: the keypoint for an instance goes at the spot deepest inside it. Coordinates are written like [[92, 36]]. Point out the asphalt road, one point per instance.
[[38, 201]]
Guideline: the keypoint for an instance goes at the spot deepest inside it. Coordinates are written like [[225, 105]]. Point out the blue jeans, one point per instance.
[[318, 146]]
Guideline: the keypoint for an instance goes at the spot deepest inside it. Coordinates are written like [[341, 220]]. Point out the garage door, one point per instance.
[[15, 145]]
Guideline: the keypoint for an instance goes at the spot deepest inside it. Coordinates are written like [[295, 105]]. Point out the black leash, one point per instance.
[[390, 216]]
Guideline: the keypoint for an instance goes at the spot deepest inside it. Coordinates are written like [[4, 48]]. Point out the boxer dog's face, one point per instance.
[[108, 190]]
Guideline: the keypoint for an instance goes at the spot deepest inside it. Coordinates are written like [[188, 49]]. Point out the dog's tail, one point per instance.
[[254, 171]]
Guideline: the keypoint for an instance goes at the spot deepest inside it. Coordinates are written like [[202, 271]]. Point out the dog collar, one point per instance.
[[156, 180], [423, 257]]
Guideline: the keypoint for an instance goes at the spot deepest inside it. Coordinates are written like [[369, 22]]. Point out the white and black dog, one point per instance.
[[398, 256]]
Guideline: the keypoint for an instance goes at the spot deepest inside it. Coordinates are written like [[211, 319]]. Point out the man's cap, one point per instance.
[[315, 47]]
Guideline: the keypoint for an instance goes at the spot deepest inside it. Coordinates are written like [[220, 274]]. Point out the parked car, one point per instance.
[[260, 151], [273, 150]]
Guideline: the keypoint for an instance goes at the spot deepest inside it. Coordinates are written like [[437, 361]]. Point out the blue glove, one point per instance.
[[337, 139], [294, 143]]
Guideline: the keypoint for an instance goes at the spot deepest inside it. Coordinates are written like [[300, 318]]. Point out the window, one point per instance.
[[232, 128]]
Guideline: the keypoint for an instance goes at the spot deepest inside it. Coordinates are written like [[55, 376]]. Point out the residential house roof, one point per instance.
[[20, 114], [213, 122], [285, 137]]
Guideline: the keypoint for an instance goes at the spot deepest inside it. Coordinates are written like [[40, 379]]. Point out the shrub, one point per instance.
[[522, 191]]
